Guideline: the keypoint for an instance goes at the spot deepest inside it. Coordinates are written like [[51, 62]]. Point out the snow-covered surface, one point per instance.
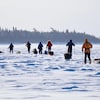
[[43, 77]]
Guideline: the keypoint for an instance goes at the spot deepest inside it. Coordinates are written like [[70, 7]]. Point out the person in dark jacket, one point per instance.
[[28, 45], [70, 44], [40, 48], [11, 46]]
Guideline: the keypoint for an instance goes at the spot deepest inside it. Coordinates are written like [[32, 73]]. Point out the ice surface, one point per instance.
[[43, 77]]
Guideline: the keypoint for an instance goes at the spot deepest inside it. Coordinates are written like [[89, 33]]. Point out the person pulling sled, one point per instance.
[[68, 55]]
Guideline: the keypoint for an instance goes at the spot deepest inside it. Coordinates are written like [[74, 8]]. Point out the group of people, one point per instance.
[[28, 45], [40, 47], [85, 47]]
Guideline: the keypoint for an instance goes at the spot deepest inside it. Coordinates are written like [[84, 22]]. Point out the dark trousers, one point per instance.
[[40, 51], [28, 49], [70, 52], [49, 49], [85, 58], [11, 50]]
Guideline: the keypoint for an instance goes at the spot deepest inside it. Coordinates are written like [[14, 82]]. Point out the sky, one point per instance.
[[79, 15]]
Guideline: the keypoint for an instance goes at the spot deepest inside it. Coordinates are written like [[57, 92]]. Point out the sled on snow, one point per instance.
[[18, 52], [67, 56], [1, 52], [46, 52], [35, 51], [51, 53], [97, 60]]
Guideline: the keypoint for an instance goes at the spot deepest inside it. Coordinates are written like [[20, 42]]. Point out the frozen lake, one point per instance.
[[43, 77]]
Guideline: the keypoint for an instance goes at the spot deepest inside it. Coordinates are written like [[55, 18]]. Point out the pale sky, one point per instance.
[[79, 15]]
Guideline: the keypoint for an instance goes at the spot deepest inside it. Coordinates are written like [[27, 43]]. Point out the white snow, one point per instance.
[[43, 77]]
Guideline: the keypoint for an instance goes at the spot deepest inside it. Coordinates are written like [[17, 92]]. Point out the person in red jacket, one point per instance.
[[49, 45]]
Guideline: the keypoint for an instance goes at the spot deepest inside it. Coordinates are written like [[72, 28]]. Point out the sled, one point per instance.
[[97, 60], [51, 53], [18, 52], [45, 52], [67, 56], [1, 52], [35, 51]]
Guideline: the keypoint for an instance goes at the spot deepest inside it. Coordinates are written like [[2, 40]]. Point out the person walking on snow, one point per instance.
[[11, 46], [86, 48], [70, 44], [49, 45], [40, 48], [28, 45]]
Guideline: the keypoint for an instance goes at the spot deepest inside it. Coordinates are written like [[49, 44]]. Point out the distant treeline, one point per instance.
[[35, 36]]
